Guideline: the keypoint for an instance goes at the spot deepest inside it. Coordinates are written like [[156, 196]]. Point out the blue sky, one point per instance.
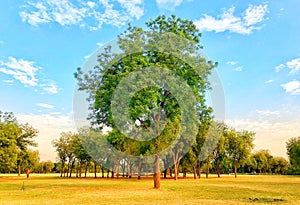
[[256, 44]]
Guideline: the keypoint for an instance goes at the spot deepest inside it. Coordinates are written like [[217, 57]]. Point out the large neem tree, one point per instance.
[[165, 83]]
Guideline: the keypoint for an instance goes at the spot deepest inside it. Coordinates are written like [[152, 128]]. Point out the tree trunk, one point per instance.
[[199, 173], [19, 170], [85, 170], [207, 171], [218, 172], [95, 170], [171, 172], [175, 172], [195, 173], [156, 176], [184, 172], [62, 168], [107, 173], [71, 169], [27, 173], [165, 173], [102, 170], [139, 170], [80, 168], [235, 171], [112, 174]]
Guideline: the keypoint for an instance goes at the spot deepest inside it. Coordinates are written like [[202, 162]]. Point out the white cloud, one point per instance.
[[269, 81], [45, 105], [133, 7], [26, 72], [267, 113], [50, 127], [232, 62], [292, 87], [239, 68], [9, 82], [279, 68], [91, 14], [50, 88], [1, 42], [21, 70], [227, 21], [168, 4], [294, 65], [99, 44]]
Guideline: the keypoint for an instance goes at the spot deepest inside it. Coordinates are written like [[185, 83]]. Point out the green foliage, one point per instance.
[[293, 151], [15, 139]]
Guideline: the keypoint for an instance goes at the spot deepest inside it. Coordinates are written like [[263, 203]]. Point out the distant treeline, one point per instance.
[[232, 154]]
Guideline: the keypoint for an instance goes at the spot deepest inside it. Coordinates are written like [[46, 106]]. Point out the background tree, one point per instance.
[[29, 161], [240, 145], [15, 141], [293, 151]]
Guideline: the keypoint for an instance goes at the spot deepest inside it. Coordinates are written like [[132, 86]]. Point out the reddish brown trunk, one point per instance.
[[235, 172], [218, 172], [199, 173], [195, 173], [19, 170], [175, 172], [156, 176]]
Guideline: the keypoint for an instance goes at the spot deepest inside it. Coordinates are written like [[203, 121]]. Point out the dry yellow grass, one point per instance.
[[50, 189]]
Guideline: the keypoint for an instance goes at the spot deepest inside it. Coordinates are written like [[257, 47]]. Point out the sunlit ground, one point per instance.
[[50, 189]]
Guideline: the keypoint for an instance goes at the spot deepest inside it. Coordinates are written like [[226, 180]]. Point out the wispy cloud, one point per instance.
[[9, 82], [279, 68], [239, 68], [232, 62], [247, 22], [269, 81], [169, 4], [267, 113], [293, 65], [45, 105], [26, 73], [91, 14], [50, 88], [22, 70], [292, 87]]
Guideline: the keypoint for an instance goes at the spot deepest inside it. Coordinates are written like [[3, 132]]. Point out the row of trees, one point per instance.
[[233, 153]]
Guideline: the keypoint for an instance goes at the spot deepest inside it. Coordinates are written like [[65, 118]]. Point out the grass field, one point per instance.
[[50, 189]]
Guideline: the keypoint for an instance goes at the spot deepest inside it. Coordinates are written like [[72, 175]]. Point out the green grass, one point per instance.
[[50, 189]]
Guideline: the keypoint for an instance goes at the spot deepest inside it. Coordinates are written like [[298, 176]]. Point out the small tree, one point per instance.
[[293, 151], [240, 145]]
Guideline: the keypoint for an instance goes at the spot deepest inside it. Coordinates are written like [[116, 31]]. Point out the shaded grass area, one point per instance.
[[50, 189]]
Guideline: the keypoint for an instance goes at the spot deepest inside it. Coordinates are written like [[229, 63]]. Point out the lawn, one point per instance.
[[50, 189]]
